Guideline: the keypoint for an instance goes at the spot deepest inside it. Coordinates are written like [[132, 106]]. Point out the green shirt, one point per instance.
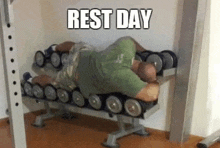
[[109, 70]]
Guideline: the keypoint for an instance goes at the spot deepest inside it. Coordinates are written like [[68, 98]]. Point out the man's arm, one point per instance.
[[43, 80], [149, 93], [138, 47], [65, 46]]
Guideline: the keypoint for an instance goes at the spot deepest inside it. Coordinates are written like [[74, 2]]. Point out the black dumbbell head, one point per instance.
[[27, 76], [158, 60], [50, 92], [39, 58], [145, 54], [28, 89], [38, 91], [114, 104], [170, 58], [55, 59], [133, 107], [49, 50], [63, 95], [139, 57], [78, 98], [96, 102], [64, 58]]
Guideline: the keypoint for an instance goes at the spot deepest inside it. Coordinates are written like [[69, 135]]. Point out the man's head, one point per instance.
[[147, 72]]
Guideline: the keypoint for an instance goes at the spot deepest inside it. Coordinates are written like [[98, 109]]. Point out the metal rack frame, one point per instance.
[[63, 110], [189, 24], [12, 80]]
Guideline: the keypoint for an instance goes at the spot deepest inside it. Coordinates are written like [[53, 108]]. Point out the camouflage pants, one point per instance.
[[66, 77]]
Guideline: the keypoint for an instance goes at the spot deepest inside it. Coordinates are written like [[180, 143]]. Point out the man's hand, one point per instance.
[[149, 93], [42, 80]]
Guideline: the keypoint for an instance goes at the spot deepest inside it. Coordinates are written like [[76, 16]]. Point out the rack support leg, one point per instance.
[[39, 121], [134, 128], [210, 140]]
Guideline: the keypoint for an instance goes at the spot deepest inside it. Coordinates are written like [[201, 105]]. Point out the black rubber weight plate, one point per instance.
[[63, 95], [78, 98], [96, 102], [145, 54], [39, 58], [38, 91], [170, 58], [28, 89], [133, 107], [55, 59], [64, 58], [114, 104], [139, 57], [157, 59], [50, 93]]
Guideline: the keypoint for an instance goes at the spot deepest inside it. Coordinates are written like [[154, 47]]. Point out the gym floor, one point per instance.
[[86, 132]]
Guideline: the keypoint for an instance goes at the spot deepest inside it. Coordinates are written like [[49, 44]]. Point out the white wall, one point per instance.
[[40, 23], [29, 36], [201, 112], [206, 117], [214, 70]]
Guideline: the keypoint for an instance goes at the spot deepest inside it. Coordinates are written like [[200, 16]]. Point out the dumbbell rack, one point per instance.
[[189, 28], [63, 110], [112, 138]]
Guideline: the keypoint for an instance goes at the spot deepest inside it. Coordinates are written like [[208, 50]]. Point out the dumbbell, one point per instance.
[[114, 104], [97, 102], [136, 108], [142, 56], [41, 58], [63, 95], [64, 58], [78, 98], [50, 93], [170, 58], [58, 59], [38, 91], [22, 88], [28, 84], [163, 60], [158, 60]]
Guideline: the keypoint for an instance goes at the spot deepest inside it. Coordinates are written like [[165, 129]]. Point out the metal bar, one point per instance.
[[134, 128], [121, 124], [210, 140], [189, 45], [8, 11], [39, 121], [12, 81], [151, 111], [169, 72]]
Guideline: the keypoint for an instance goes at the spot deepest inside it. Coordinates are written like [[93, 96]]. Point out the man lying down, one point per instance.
[[101, 72]]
